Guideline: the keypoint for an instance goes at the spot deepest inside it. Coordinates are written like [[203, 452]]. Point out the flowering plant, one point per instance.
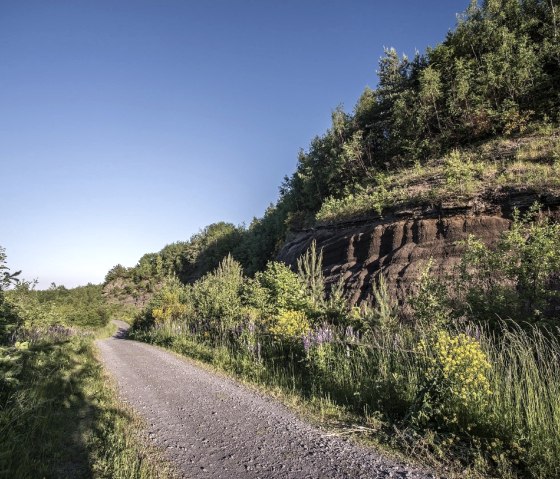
[[455, 378]]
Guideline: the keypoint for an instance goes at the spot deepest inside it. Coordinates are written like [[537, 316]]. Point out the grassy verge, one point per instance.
[[60, 416], [378, 395], [335, 399]]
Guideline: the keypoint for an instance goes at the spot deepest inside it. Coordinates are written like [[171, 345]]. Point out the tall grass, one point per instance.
[[516, 433], [60, 418], [525, 404]]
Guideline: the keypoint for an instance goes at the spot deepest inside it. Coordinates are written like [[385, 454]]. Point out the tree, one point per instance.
[[9, 319], [6, 278]]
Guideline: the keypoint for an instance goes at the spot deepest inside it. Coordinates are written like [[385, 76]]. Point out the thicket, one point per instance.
[[472, 375], [497, 74]]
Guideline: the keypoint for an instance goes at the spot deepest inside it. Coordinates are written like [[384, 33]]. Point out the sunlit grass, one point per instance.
[[59, 416], [531, 162], [376, 386]]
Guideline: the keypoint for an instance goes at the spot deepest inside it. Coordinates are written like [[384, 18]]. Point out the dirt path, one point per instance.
[[212, 427]]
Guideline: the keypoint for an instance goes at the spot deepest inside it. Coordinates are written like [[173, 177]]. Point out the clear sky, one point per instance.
[[128, 125]]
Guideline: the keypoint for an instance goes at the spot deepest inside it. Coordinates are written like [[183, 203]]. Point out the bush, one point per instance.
[[171, 303], [282, 288], [455, 385], [461, 172], [217, 296], [518, 278], [289, 324]]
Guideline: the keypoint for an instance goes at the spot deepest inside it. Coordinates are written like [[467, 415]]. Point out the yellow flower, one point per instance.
[[290, 324]]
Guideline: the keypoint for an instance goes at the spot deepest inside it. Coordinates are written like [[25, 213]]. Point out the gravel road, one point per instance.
[[212, 427]]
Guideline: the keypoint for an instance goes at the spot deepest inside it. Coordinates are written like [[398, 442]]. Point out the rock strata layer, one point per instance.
[[402, 242]]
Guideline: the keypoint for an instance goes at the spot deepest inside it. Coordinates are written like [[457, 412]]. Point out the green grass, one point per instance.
[[525, 404], [60, 416], [525, 162]]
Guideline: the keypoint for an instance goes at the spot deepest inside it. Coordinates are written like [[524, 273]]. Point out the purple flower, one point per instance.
[[317, 337], [251, 328]]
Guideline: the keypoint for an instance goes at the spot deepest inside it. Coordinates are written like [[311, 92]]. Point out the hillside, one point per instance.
[[427, 213]]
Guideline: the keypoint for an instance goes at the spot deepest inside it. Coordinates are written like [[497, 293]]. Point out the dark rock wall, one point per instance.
[[402, 243]]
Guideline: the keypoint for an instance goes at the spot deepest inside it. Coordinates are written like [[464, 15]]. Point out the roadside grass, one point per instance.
[[60, 417], [525, 162], [375, 393], [322, 401]]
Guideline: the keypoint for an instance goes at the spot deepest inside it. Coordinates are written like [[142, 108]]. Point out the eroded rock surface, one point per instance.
[[402, 242]]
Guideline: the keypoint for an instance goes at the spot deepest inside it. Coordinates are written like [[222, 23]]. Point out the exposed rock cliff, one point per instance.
[[401, 242]]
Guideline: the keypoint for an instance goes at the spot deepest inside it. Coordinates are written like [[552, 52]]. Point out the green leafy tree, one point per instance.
[[9, 320], [285, 290], [217, 296], [6, 278]]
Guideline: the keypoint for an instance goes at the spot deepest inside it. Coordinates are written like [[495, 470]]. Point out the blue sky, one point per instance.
[[128, 125]]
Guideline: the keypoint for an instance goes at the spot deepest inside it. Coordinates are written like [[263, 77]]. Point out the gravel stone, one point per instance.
[[212, 427]]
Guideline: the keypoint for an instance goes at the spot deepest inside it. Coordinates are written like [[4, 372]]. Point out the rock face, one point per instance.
[[401, 243]]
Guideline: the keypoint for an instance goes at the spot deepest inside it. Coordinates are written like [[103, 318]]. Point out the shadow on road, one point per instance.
[[122, 331]]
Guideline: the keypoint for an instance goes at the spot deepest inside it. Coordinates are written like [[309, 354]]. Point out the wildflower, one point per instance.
[[456, 374]]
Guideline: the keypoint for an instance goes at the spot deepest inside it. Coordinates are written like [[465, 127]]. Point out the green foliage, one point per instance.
[[497, 73], [217, 296], [116, 272], [515, 279], [170, 303], [6, 278], [526, 162], [289, 324], [81, 306], [467, 388], [310, 272], [57, 415], [9, 320], [59, 418], [525, 400], [461, 172], [384, 314], [284, 289], [430, 301]]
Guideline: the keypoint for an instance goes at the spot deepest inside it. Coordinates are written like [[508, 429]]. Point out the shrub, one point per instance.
[[310, 271], [290, 324], [430, 301], [384, 314], [455, 382], [171, 308], [283, 289], [461, 172], [515, 279], [217, 296]]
